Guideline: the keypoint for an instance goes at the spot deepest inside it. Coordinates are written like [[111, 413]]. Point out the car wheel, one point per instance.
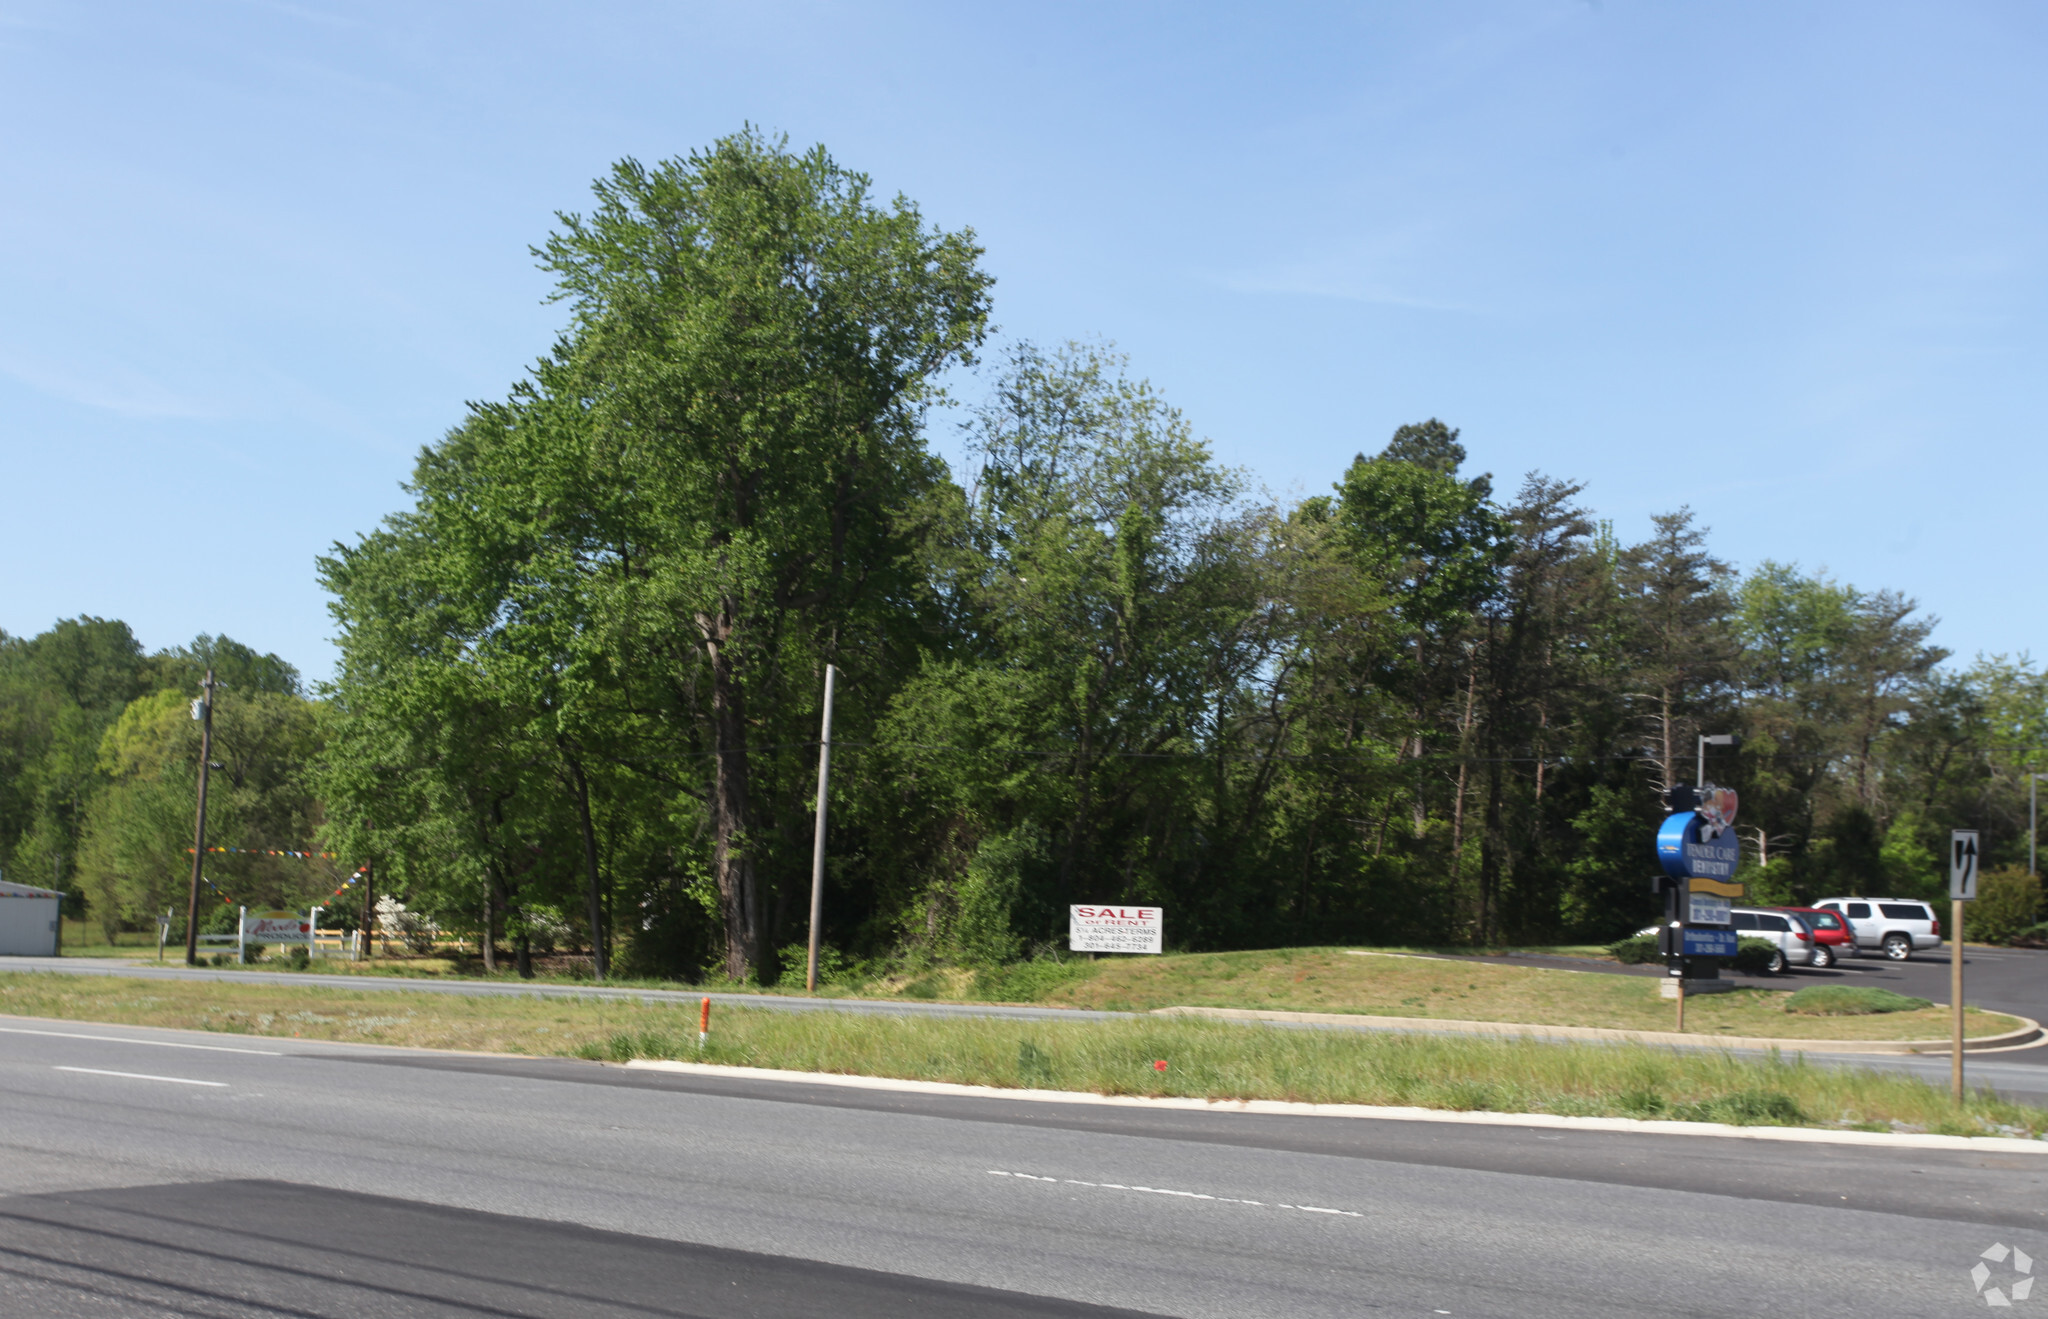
[[1823, 956], [1898, 947], [1776, 966]]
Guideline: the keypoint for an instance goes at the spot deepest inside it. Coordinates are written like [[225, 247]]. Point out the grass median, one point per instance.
[[1209, 1060], [1338, 980]]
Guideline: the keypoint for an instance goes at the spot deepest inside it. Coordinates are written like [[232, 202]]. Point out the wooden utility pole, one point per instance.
[[818, 836], [203, 713], [363, 948]]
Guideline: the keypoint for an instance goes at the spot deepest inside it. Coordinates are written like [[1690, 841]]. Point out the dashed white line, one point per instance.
[[1184, 1195], [142, 1076], [122, 1039]]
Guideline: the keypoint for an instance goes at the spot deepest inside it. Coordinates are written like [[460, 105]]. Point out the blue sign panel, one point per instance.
[[1709, 941], [1686, 854]]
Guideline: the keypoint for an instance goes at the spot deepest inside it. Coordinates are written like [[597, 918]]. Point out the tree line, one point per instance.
[[580, 679]]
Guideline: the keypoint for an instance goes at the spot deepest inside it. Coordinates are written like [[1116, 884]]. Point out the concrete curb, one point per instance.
[[2028, 1033], [1283, 1108]]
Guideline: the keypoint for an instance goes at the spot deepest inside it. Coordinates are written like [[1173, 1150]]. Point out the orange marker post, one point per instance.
[[704, 1021]]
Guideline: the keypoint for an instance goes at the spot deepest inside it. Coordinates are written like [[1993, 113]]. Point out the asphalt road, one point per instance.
[[158, 1173]]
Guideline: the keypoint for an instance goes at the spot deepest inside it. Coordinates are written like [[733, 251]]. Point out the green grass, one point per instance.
[[1213, 1060], [1851, 1001], [1205, 1059], [1374, 983]]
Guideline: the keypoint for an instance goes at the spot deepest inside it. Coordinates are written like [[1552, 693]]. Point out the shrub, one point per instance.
[[1635, 950], [988, 895], [1752, 956], [1851, 1001], [834, 967], [300, 957], [2008, 903]]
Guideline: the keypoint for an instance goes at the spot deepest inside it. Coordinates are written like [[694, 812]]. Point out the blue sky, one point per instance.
[[1783, 263]]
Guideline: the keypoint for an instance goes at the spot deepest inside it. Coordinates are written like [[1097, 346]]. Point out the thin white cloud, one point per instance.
[[1317, 281], [109, 387]]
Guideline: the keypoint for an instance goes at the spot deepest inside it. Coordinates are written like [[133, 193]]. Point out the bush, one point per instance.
[[300, 957], [1752, 956], [1851, 1001], [2008, 903], [988, 896], [1635, 950], [834, 966]]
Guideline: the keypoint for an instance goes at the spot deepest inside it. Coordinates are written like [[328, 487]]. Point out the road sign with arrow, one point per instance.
[[1962, 864]]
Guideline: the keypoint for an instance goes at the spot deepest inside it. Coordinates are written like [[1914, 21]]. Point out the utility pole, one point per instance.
[[1707, 740], [818, 838], [202, 710], [363, 949]]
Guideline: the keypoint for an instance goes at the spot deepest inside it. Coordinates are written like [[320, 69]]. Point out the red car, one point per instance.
[[1832, 937]]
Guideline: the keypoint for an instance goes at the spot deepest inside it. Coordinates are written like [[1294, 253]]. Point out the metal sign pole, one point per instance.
[[1955, 993], [1962, 886]]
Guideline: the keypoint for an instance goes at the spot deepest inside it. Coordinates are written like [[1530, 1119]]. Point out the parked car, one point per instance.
[[1896, 925], [1791, 935], [1832, 939]]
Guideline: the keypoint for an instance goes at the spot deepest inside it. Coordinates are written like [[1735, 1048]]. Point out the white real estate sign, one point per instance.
[[1115, 929]]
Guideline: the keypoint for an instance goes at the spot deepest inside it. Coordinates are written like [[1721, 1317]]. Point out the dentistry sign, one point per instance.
[[1700, 845], [1115, 929]]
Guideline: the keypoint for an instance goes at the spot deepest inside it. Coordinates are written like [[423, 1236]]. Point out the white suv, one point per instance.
[[1897, 925], [1794, 941]]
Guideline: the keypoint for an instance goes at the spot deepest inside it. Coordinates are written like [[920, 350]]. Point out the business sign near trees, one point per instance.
[[1116, 929], [268, 927], [1698, 848]]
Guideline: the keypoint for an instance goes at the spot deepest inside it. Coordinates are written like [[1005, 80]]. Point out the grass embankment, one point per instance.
[[1209, 1060], [1336, 980], [1332, 980]]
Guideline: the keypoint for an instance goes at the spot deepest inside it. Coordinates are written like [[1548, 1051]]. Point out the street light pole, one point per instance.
[[2033, 820], [1710, 740], [204, 714]]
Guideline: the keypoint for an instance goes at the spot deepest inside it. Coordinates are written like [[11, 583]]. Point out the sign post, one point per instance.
[[1699, 851], [1962, 887]]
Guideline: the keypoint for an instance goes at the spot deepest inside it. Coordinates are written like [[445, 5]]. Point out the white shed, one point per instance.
[[28, 920]]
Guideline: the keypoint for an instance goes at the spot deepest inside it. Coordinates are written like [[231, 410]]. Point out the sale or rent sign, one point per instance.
[[1115, 929], [276, 927]]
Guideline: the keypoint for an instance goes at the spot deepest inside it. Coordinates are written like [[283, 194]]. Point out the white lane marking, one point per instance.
[[123, 1039], [141, 1076], [1185, 1195]]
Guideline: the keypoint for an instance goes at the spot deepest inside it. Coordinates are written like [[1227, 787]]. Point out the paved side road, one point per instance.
[[158, 1173]]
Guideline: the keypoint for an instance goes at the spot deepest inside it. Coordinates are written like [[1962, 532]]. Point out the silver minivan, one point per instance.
[[1897, 925], [1794, 941]]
